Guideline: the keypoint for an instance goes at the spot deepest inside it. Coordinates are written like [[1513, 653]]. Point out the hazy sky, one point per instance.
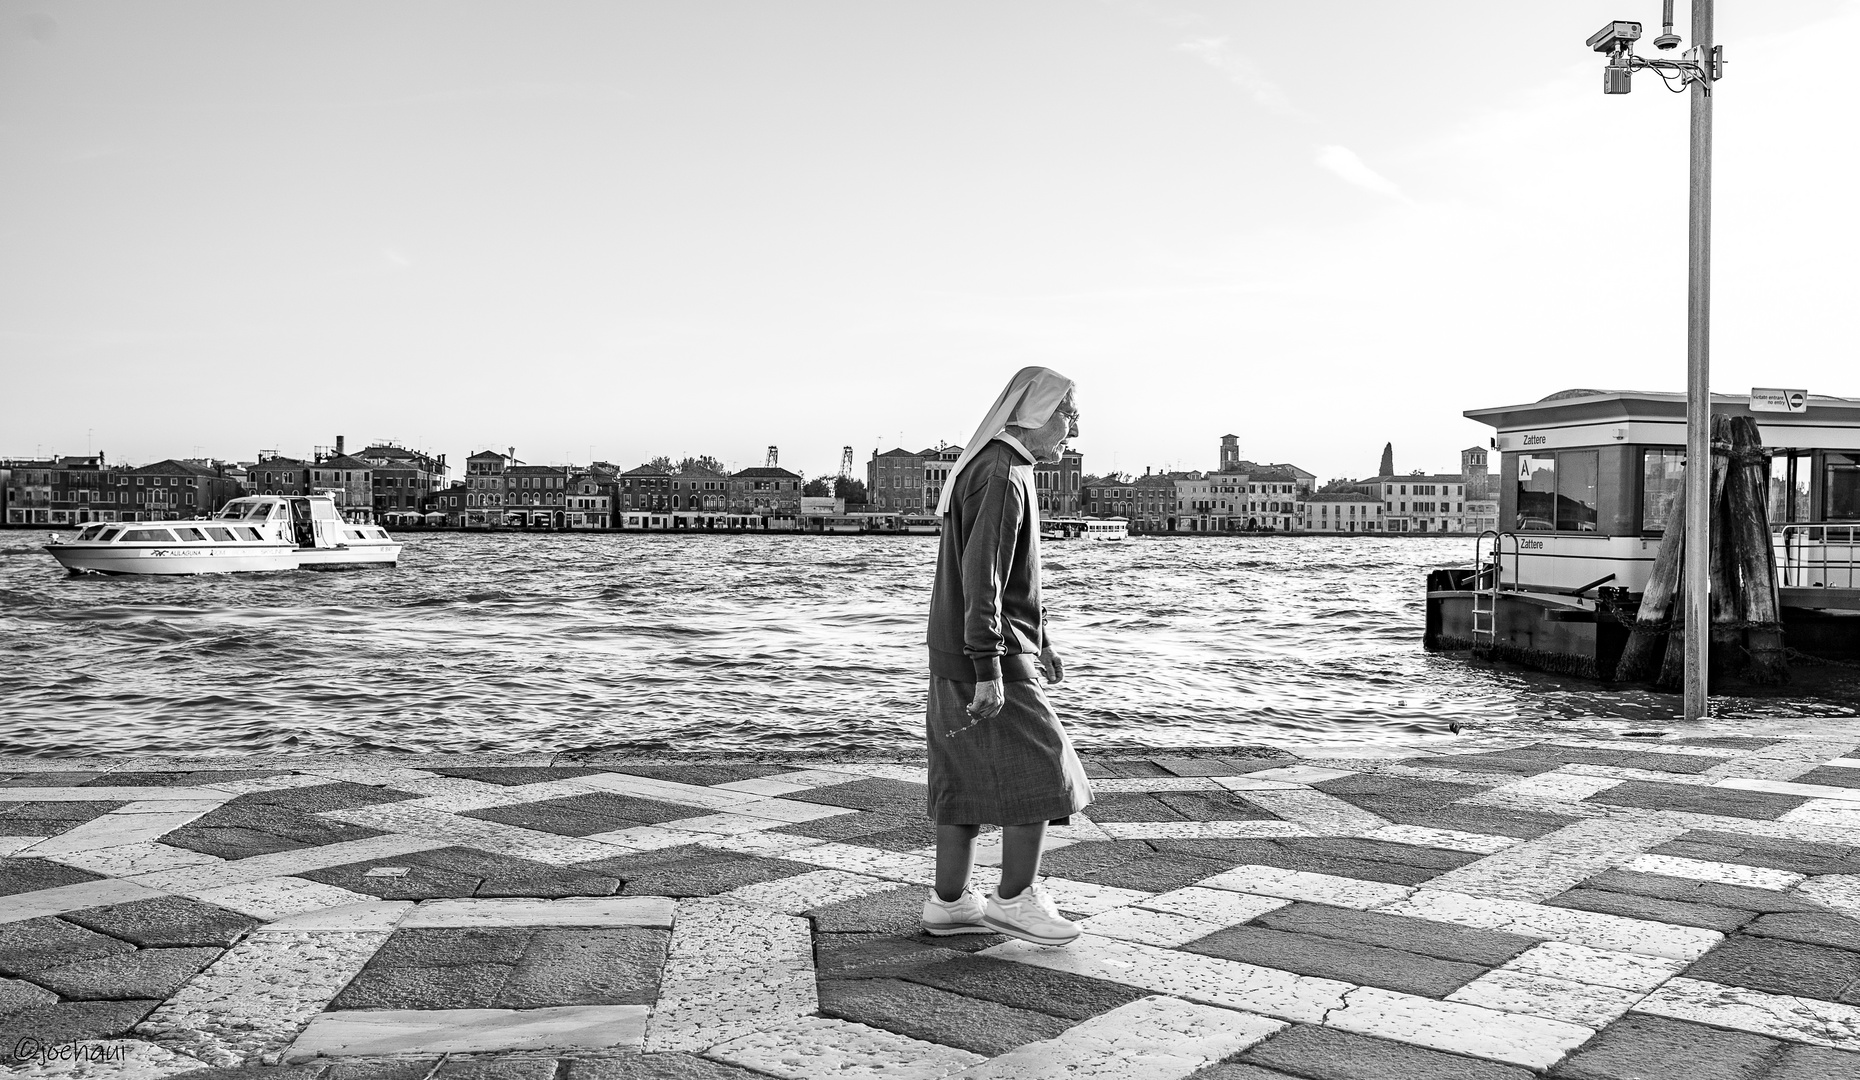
[[621, 229]]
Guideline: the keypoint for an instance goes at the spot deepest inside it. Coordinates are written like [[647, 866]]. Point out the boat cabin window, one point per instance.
[[222, 535], [1840, 483], [89, 532], [260, 511], [191, 535], [246, 534], [148, 536], [1789, 474], [232, 511], [1662, 475], [109, 534]]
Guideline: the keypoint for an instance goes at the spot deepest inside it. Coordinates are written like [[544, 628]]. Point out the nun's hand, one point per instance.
[[988, 700], [1050, 666]]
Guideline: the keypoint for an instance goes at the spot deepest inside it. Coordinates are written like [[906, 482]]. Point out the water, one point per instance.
[[513, 642]]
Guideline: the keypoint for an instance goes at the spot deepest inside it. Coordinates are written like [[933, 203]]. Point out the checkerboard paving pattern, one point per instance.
[[1582, 907]]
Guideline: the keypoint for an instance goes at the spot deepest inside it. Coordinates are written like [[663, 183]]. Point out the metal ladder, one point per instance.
[[1488, 578]]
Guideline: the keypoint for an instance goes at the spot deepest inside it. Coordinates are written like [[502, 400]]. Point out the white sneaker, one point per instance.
[[963, 915], [1030, 916]]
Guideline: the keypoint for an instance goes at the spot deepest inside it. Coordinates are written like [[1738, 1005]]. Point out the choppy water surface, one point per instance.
[[511, 642]]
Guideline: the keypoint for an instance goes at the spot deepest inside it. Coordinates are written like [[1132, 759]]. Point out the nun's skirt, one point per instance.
[[1014, 769]]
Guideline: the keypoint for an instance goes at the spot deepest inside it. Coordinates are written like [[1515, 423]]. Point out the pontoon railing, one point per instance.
[[1818, 556]]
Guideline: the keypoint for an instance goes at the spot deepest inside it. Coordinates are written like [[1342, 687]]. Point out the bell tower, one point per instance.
[[1230, 453]]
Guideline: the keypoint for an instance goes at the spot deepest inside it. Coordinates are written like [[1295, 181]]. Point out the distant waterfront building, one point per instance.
[[350, 480], [1342, 512], [589, 505], [767, 490], [937, 464], [485, 490], [59, 491], [645, 488], [895, 482], [277, 475], [402, 478], [695, 487], [173, 490], [1056, 484], [535, 496]]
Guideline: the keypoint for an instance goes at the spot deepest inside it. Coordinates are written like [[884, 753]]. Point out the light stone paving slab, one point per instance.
[[873, 862], [570, 911], [820, 1048], [1756, 877], [446, 789], [1828, 814], [1447, 839], [284, 863], [1315, 888], [129, 860], [1787, 787], [255, 784], [730, 970], [804, 892], [493, 836], [904, 774], [250, 1004], [1594, 929], [363, 772], [1784, 760], [1111, 785], [1083, 897], [1146, 927], [1153, 1038], [1253, 783], [1838, 891], [1782, 829], [646, 787], [1549, 787], [104, 1059], [1781, 1016], [465, 1031], [1477, 780], [651, 837], [1081, 828], [368, 915], [773, 845], [277, 897], [1206, 979], [988, 848], [1204, 830], [1595, 967], [1649, 746], [1845, 763], [1547, 996], [1532, 1041], [1322, 813], [763, 786], [1218, 906], [1302, 774], [1619, 772], [722, 824], [799, 780], [787, 811], [1541, 868], [19, 907], [112, 794], [10, 845]]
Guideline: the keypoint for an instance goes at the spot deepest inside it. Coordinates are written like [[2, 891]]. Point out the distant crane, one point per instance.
[[845, 463]]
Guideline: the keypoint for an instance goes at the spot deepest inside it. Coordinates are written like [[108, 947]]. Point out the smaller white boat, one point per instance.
[[256, 533], [1107, 528]]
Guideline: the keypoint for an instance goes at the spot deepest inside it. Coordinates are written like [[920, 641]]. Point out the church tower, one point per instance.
[[1473, 468], [1230, 453]]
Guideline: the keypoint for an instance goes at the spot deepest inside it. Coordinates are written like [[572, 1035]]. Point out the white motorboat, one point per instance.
[[256, 533], [1107, 528]]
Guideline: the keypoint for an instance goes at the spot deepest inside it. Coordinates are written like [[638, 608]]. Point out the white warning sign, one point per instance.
[[1768, 399]]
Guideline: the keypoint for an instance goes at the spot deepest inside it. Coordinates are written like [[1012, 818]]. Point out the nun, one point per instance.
[[998, 754]]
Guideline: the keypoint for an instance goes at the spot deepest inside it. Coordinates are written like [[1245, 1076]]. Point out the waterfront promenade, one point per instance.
[[1594, 906]]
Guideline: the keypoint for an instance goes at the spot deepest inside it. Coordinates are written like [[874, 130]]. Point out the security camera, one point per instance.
[[1616, 35]]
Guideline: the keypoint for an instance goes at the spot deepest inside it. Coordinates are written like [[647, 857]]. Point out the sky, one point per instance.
[[612, 230]]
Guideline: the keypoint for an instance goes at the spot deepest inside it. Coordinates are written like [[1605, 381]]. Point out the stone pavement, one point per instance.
[[1588, 905]]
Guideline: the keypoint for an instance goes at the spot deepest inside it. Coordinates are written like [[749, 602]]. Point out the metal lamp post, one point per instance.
[[1701, 67]]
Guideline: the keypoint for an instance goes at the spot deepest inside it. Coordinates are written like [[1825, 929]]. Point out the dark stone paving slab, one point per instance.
[[1443, 941], [563, 817], [849, 826], [1817, 928], [895, 911], [1057, 993], [603, 809], [1798, 856], [1330, 958], [1634, 906], [933, 1015], [1812, 1063], [510, 968], [73, 1021], [1512, 763], [173, 778], [1490, 820], [1130, 768], [1131, 806], [874, 794], [1293, 855], [317, 1071], [145, 973], [498, 1067], [881, 955], [1217, 766], [514, 775], [587, 966], [31, 875], [1089, 856], [1213, 806], [18, 995], [440, 873], [1395, 794], [50, 818], [702, 775], [652, 1067], [165, 922], [1157, 872], [1641, 1047], [1782, 967], [1698, 799], [1325, 1053], [904, 838], [317, 798], [1727, 742], [1699, 892], [689, 870], [240, 830], [1437, 859], [1238, 1070], [32, 945], [70, 778], [1831, 776]]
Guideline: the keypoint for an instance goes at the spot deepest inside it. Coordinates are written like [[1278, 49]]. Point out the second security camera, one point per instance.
[[1616, 35]]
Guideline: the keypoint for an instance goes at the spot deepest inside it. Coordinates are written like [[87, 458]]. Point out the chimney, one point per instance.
[[338, 446], [513, 455]]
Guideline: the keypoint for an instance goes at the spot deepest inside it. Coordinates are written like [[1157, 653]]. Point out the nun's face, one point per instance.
[[1048, 442]]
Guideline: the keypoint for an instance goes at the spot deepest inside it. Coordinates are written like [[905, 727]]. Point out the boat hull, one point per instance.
[[355, 556], [173, 559]]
